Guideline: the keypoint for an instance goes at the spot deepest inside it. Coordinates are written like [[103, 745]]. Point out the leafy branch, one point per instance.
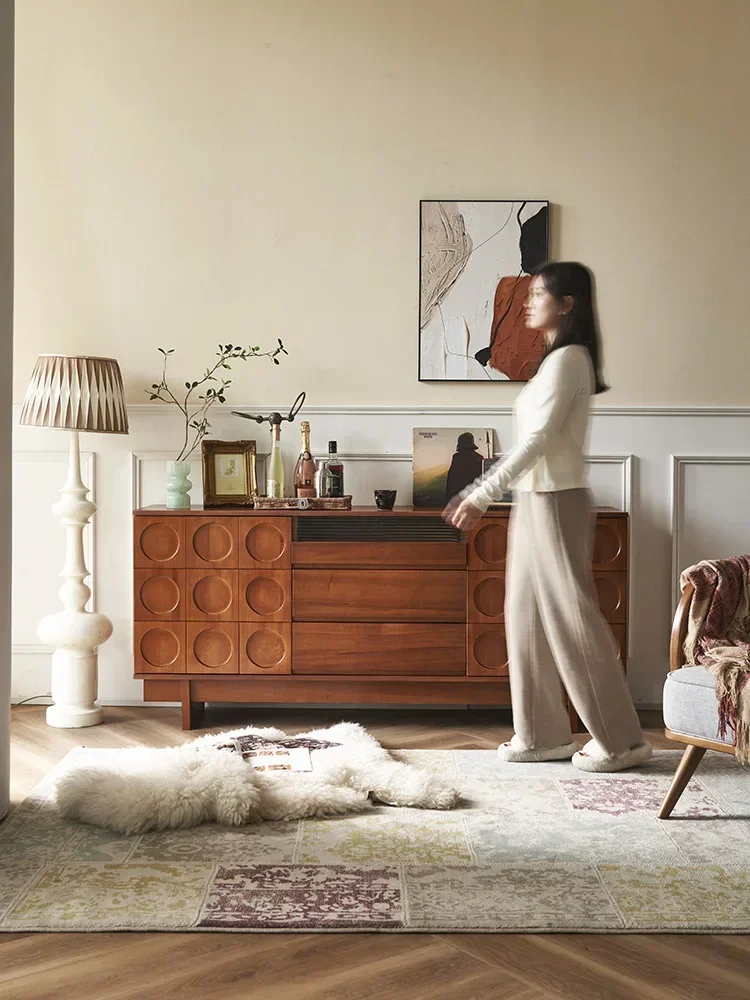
[[197, 425]]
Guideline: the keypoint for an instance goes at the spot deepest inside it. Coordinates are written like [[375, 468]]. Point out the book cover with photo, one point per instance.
[[446, 459]]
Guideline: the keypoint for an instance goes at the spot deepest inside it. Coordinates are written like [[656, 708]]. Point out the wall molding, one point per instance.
[[677, 482], [154, 409]]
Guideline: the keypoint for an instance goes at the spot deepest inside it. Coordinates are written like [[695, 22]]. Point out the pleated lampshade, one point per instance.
[[77, 393]]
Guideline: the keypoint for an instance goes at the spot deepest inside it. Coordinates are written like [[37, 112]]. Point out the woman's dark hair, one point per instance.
[[579, 325]]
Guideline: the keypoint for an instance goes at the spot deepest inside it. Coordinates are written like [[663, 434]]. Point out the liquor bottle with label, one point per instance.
[[304, 471], [336, 469], [275, 467]]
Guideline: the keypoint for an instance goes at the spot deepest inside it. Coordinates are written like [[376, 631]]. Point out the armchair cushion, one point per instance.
[[690, 705]]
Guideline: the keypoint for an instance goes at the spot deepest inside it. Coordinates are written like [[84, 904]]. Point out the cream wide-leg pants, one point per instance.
[[555, 630]]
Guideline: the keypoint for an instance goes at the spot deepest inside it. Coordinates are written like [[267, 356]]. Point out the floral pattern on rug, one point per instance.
[[509, 897], [304, 896], [110, 896], [271, 843], [516, 800], [700, 897], [386, 836], [612, 796]]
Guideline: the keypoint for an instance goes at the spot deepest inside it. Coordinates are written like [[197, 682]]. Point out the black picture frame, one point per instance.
[[533, 246]]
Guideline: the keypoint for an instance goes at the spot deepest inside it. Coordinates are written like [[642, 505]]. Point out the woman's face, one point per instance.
[[543, 311]]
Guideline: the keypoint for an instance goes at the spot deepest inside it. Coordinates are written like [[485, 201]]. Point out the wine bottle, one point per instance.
[[336, 468], [275, 474], [304, 471]]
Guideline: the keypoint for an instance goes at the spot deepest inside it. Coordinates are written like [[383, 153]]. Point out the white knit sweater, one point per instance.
[[551, 417]]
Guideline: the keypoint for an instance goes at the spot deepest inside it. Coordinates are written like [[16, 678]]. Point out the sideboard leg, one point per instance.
[[192, 711]]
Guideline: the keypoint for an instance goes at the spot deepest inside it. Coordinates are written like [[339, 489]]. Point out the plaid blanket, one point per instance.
[[718, 638]]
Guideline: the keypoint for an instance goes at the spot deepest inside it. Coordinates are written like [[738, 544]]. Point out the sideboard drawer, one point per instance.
[[367, 555], [159, 647], [378, 648], [379, 595]]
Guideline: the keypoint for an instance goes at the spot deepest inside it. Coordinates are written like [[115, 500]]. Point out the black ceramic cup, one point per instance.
[[385, 499]]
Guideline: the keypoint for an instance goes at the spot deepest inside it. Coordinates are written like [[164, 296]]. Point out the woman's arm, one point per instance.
[[559, 382]]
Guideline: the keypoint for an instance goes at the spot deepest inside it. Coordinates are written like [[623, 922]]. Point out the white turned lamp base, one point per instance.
[[75, 636], [74, 633]]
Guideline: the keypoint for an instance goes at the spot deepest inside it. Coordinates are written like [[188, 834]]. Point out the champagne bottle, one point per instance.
[[275, 474], [336, 469], [304, 471]]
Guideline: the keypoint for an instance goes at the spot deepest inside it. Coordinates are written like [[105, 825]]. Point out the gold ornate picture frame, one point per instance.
[[229, 473]]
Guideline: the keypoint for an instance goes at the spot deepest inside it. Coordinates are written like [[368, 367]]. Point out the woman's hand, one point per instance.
[[462, 514]]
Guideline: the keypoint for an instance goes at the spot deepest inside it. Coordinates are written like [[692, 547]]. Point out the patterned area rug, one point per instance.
[[537, 847]]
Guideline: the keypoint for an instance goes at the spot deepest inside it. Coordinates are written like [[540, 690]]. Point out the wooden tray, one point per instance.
[[303, 503]]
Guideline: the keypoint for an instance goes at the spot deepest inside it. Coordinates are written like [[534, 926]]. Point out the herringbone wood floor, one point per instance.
[[131, 966]]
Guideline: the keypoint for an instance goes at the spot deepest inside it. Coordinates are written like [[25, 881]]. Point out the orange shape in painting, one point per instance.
[[515, 349]]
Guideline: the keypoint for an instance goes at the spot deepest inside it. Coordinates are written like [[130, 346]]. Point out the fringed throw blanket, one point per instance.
[[718, 638]]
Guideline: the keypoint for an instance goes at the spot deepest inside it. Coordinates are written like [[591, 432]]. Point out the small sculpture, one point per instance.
[[274, 418]]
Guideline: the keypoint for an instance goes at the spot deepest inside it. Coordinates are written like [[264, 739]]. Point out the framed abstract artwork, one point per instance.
[[476, 261]]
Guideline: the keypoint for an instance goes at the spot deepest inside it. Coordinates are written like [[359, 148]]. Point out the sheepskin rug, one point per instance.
[[141, 788]]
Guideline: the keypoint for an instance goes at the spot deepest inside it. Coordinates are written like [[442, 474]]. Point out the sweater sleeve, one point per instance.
[[559, 382]]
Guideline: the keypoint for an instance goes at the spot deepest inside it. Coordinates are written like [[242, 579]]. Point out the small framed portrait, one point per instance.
[[229, 475]]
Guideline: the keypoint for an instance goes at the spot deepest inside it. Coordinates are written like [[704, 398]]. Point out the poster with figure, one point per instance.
[[477, 259], [446, 459]]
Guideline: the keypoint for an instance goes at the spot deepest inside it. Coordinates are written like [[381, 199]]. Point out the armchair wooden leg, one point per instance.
[[690, 760]]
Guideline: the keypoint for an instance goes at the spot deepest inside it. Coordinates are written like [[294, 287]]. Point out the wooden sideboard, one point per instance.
[[339, 607]]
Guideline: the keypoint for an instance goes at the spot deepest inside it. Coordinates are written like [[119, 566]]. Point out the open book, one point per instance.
[[288, 754]]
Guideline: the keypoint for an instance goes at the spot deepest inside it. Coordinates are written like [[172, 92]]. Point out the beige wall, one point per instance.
[[195, 171], [6, 361]]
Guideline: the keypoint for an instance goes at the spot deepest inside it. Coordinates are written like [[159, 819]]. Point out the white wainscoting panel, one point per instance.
[[710, 510], [683, 475]]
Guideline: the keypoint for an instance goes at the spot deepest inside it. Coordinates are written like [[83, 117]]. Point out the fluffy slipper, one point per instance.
[[593, 758], [514, 754]]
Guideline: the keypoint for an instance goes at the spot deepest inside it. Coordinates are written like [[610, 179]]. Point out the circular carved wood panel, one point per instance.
[[491, 543], [159, 542], [212, 595], [265, 543], [608, 543], [212, 542], [159, 594], [265, 596], [491, 652], [610, 595], [489, 596], [160, 647], [213, 648], [265, 648]]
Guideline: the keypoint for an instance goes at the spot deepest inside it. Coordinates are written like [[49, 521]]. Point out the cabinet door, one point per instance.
[[612, 593], [159, 594], [265, 542], [487, 653], [265, 595], [160, 647], [265, 648], [159, 542], [212, 648], [486, 597], [211, 594], [488, 544], [211, 542], [611, 543]]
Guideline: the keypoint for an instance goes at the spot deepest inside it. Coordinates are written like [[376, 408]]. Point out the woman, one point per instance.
[[554, 629]]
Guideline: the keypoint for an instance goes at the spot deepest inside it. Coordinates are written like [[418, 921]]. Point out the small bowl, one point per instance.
[[385, 499]]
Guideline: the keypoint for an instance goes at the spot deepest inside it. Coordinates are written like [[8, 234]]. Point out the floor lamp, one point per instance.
[[75, 394]]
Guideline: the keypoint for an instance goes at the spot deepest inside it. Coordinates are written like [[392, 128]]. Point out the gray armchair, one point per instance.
[[691, 710]]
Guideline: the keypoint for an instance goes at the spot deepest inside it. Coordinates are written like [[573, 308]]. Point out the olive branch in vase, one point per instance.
[[195, 414]]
